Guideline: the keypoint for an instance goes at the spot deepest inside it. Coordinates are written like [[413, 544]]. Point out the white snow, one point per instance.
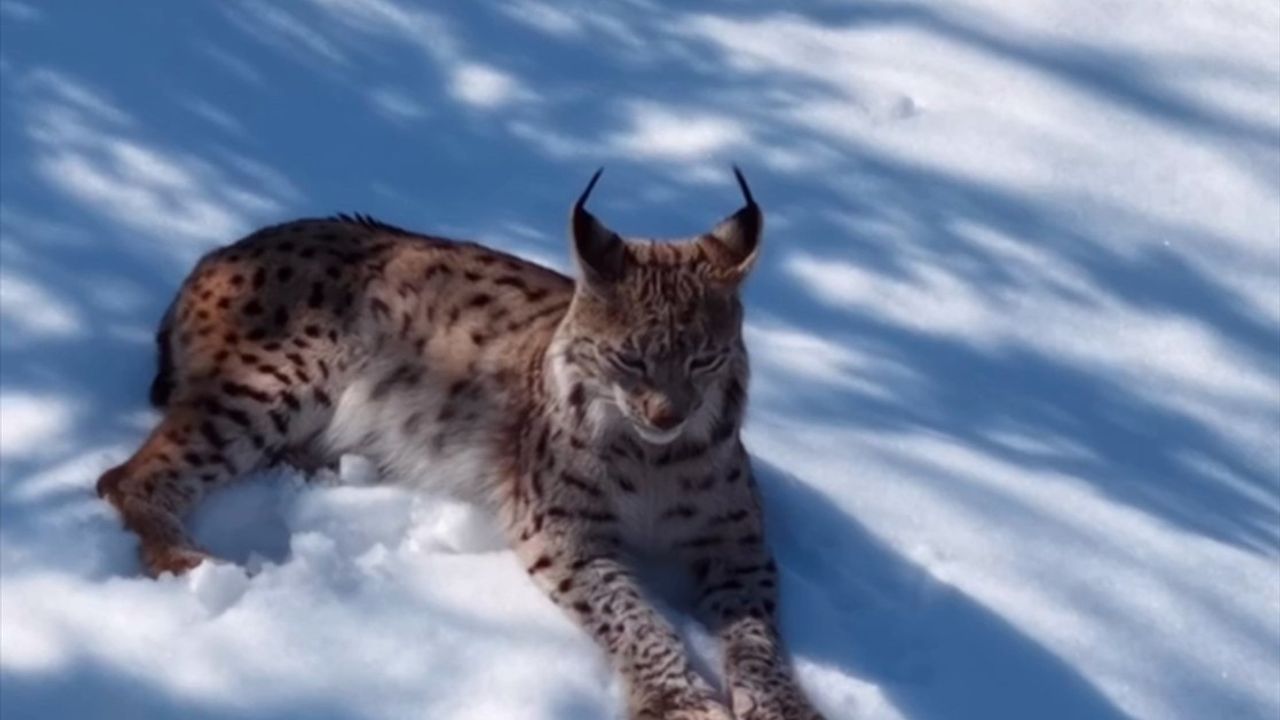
[[1016, 342]]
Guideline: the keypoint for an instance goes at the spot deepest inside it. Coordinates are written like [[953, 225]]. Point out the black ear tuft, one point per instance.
[[734, 244], [591, 184], [737, 173], [599, 252]]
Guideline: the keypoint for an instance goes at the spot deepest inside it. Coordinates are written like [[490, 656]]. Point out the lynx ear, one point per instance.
[[733, 245], [598, 251]]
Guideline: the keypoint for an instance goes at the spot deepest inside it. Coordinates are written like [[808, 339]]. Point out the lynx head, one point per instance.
[[655, 329]]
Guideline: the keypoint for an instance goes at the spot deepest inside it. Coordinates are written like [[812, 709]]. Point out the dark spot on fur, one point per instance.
[[211, 435], [512, 281], [433, 270], [234, 389], [702, 541], [581, 484], [731, 517], [680, 511]]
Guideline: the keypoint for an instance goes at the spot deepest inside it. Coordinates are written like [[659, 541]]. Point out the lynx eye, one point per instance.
[[705, 363], [629, 363]]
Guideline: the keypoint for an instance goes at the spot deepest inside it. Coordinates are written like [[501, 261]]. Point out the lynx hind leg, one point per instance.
[[164, 480], [205, 440]]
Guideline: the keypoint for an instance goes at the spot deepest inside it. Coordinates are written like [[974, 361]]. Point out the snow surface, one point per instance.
[[1017, 339]]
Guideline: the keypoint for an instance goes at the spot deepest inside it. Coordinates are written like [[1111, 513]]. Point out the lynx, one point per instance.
[[598, 418]]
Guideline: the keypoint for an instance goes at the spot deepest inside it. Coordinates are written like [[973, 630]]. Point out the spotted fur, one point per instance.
[[596, 417]]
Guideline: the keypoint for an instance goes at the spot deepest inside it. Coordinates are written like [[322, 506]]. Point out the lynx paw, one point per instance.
[[711, 712], [175, 559], [680, 705], [784, 705]]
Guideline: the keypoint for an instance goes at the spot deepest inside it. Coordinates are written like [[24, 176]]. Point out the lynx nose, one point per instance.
[[663, 417]]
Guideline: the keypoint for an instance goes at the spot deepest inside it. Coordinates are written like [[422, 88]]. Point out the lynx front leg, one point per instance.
[[738, 596], [590, 581]]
